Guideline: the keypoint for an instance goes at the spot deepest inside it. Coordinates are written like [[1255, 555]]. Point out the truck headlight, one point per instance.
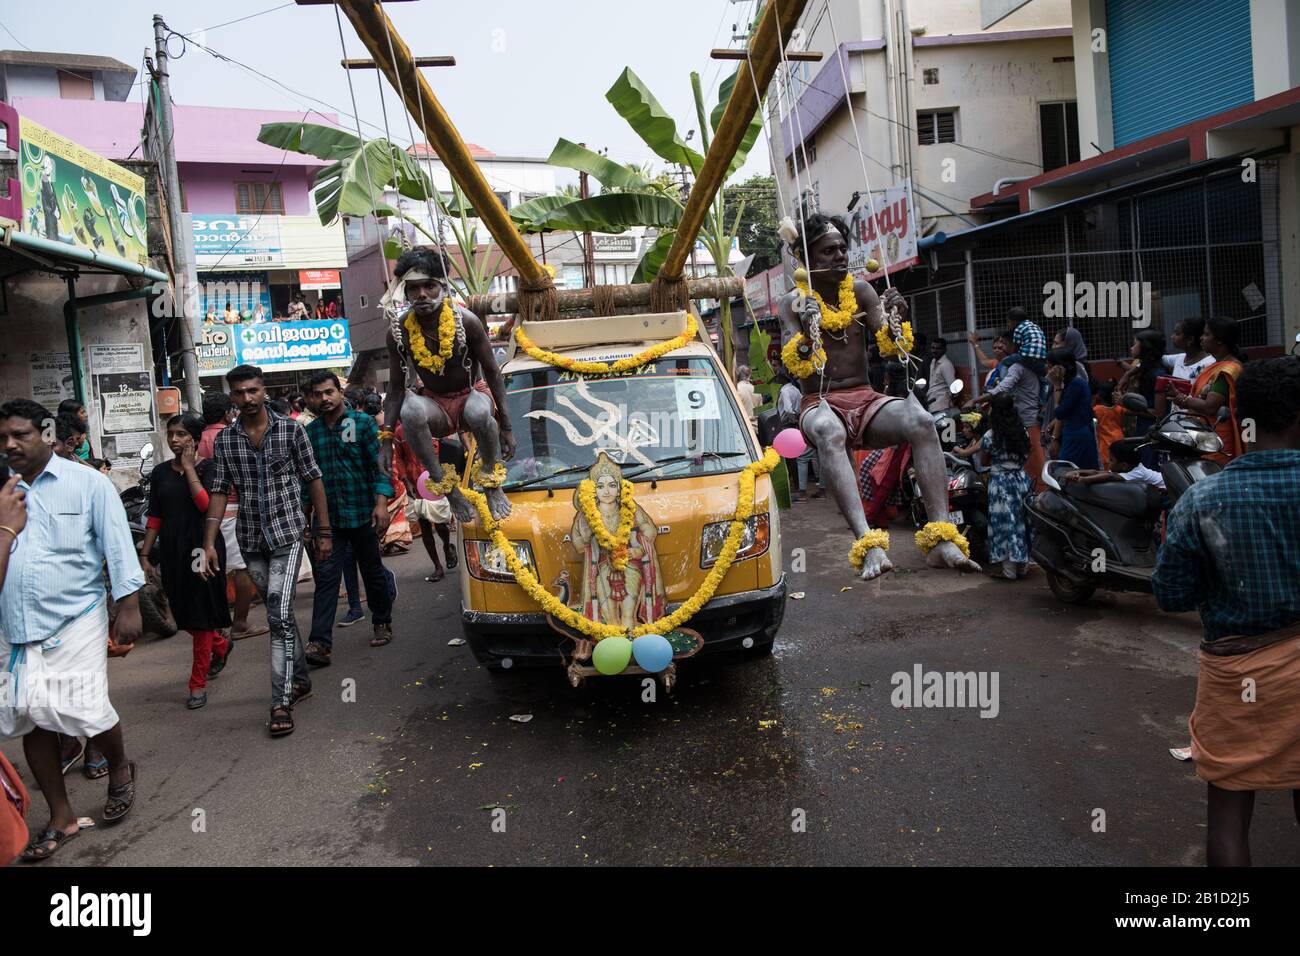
[[754, 539], [486, 562]]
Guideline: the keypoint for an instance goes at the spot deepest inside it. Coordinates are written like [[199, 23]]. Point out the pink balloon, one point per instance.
[[423, 491], [790, 443]]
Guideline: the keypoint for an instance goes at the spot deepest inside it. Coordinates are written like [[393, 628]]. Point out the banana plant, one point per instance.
[[356, 179]]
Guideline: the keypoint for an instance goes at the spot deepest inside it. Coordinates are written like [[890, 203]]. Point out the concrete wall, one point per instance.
[[34, 323], [210, 187], [41, 81], [1275, 45]]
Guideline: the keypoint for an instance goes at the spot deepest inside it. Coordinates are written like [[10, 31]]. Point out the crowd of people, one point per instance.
[[251, 486], [298, 311]]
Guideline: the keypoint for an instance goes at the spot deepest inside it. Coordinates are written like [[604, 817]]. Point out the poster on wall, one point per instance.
[[245, 291], [889, 236], [124, 400], [51, 378], [232, 241], [75, 196]]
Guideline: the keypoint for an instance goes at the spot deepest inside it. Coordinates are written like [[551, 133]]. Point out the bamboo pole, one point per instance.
[[765, 54], [625, 296], [374, 28]]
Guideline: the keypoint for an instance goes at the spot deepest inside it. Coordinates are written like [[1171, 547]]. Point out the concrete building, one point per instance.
[[938, 103]]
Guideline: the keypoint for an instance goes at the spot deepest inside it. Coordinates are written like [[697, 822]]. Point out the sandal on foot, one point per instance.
[[436, 576], [281, 722], [218, 666], [67, 763], [94, 769], [449, 555], [383, 635], [317, 654], [121, 798], [251, 632], [300, 692], [39, 849], [197, 700]]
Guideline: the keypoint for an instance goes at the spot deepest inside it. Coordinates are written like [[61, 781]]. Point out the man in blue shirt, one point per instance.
[[1232, 552], [54, 617]]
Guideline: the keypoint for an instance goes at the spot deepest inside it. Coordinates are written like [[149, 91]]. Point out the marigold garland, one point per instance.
[[494, 480], [449, 481], [875, 538], [446, 337], [669, 622], [801, 367], [938, 531], [605, 368], [615, 543], [835, 319], [887, 345]]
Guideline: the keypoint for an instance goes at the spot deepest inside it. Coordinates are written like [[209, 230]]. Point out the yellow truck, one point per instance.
[[674, 427]]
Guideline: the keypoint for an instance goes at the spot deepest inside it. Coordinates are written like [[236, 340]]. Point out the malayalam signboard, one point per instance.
[[889, 237], [275, 346], [233, 241], [72, 195]]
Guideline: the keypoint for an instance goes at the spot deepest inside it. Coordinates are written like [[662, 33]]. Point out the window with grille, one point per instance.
[[1059, 128], [936, 126], [252, 199], [931, 76]]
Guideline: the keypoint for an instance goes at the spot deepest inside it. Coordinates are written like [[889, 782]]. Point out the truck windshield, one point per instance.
[[673, 409]]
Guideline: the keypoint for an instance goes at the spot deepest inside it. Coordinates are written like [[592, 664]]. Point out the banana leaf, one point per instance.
[[752, 131], [354, 182], [654, 257], [636, 104], [608, 173], [609, 212]]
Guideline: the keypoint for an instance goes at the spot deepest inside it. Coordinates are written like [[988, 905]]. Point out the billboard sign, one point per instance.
[[275, 346], [317, 279], [234, 241], [72, 195], [889, 237]]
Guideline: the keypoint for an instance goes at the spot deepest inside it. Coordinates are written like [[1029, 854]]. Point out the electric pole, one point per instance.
[[588, 250], [171, 181]]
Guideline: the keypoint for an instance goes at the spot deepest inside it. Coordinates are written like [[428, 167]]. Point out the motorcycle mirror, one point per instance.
[[146, 453], [1134, 402], [956, 387]]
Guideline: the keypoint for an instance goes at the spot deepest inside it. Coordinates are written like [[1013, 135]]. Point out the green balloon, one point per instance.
[[611, 655]]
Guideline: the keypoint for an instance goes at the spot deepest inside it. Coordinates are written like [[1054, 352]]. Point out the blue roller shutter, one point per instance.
[[1175, 61]]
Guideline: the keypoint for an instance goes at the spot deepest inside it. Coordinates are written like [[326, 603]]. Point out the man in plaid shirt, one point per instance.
[[346, 445], [1232, 552], [267, 458], [1030, 342]]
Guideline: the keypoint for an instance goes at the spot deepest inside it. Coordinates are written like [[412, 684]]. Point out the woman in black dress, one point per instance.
[[178, 499]]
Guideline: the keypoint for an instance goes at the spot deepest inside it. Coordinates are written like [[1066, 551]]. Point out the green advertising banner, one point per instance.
[[75, 196]]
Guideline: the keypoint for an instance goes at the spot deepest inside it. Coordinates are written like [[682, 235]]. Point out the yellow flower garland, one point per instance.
[[669, 622], [494, 480], [835, 319], [446, 336], [937, 531], [800, 367], [449, 481], [606, 368], [615, 543], [875, 538], [887, 345]]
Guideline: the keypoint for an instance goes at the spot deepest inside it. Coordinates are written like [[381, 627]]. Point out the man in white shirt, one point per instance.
[[942, 374], [749, 399]]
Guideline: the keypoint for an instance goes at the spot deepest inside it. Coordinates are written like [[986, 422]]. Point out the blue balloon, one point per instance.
[[652, 652]]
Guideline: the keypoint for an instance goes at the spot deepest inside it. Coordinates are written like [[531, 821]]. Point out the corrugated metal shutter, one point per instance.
[[1176, 61]]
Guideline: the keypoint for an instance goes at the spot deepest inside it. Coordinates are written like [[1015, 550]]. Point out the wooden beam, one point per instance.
[[764, 55], [375, 30], [625, 296], [810, 56], [420, 61]]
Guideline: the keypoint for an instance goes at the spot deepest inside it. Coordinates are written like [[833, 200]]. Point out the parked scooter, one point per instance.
[[1089, 536], [153, 601]]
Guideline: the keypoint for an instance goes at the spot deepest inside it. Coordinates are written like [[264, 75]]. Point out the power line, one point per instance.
[[242, 19], [16, 40]]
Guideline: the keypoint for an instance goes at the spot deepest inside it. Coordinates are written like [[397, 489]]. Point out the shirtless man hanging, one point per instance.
[[840, 411], [460, 386]]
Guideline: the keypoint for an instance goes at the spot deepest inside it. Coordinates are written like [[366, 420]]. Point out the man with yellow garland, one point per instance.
[[459, 385], [840, 410]]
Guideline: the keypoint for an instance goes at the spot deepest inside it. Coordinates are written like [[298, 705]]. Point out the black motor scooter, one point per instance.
[[1089, 536]]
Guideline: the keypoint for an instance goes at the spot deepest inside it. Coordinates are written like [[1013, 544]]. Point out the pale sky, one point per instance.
[[528, 71]]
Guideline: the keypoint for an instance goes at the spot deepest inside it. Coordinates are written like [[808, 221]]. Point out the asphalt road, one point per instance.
[[723, 771]]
